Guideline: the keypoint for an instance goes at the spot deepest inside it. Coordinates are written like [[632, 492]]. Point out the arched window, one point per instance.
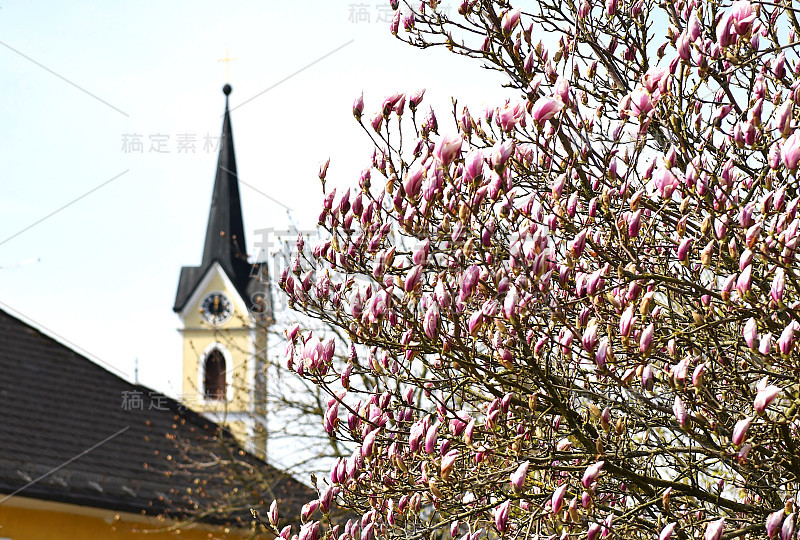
[[214, 383]]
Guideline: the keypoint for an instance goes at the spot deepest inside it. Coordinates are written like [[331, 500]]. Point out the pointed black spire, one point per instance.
[[225, 240]]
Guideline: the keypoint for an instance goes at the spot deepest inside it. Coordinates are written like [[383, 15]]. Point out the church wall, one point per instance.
[[240, 343], [30, 519]]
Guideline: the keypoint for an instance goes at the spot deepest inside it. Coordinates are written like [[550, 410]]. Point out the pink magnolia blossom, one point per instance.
[[774, 521], [648, 379], [726, 35], [358, 106], [750, 333], [272, 515], [681, 415], [742, 16], [413, 279], [765, 344], [697, 375], [684, 46], [415, 99], [473, 165], [413, 181], [501, 516], [431, 321], [448, 148], [546, 108], [591, 474], [626, 322], [475, 322], [783, 117], [561, 90], [510, 21], [577, 244], [651, 80], [764, 397], [511, 116], [603, 353], [791, 150], [647, 338], [683, 249], [693, 27], [714, 530], [377, 121], [448, 461], [391, 102], [666, 532], [641, 102], [469, 280], [500, 153], [331, 417], [431, 438], [510, 303], [634, 223], [310, 531], [778, 285], [744, 281], [786, 341], [665, 181], [787, 530], [517, 478], [309, 508], [779, 68], [420, 255], [740, 430]]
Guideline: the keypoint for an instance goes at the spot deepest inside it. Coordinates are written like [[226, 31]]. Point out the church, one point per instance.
[[225, 308], [87, 454]]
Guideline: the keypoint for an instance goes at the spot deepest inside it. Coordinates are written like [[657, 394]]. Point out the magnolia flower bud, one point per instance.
[[501, 516], [740, 431], [790, 151], [546, 108], [448, 148], [750, 333], [765, 397], [773, 523], [448, 461], [591, 474], [714, 530], [786, 341], [517, 478], [557, 499], [647, 339], [681, 415], [666, 532]]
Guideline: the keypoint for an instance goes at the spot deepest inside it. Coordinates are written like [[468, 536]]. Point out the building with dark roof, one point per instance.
[[87, 454], [84, 449]]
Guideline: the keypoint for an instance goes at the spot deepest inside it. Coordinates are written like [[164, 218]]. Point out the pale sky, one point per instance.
[[81, 78]]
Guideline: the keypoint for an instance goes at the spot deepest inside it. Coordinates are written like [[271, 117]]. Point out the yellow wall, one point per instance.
[[30, 519], [244, 345]]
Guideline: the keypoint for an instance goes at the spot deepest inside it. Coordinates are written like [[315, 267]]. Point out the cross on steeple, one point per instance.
[[227, 61]]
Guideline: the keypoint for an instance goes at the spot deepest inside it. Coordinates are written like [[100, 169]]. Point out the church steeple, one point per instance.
[[225, 241], [225, 306]]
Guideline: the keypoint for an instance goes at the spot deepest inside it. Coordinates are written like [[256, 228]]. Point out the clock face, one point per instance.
[[217, 308]]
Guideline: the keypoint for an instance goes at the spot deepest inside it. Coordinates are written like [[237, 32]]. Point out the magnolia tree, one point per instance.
[[575, 312]]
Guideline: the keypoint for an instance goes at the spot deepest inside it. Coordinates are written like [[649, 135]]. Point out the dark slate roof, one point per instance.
[[65, 436], [225, 238]]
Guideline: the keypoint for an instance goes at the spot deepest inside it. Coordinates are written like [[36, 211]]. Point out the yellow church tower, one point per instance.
[[225, 307]]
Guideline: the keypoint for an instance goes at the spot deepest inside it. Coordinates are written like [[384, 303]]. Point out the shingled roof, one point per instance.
[[73, 432]]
